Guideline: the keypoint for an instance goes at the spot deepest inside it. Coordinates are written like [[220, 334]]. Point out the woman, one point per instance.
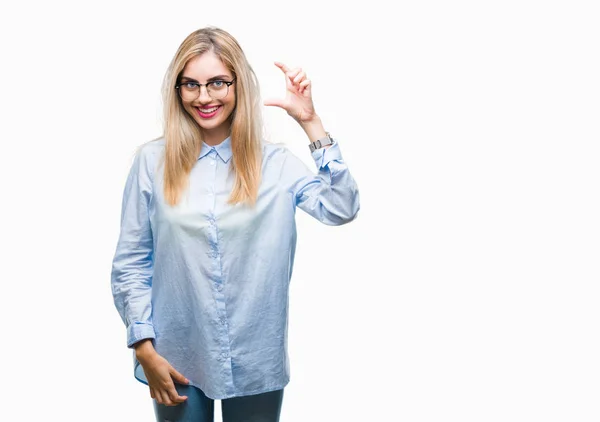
[[204, 259]]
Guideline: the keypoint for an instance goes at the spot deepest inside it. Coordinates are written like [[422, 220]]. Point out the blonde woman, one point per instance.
[[205, 254]]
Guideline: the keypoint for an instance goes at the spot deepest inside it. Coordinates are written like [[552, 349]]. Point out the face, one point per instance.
[[214, 123]]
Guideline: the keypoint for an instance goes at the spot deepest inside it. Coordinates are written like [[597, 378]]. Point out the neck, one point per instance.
[[212, 138]]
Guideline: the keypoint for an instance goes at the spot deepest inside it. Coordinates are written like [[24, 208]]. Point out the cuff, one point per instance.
[[139, 331], [323, 156]]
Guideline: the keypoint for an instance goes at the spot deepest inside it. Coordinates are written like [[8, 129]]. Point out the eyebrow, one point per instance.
[[218, 77]]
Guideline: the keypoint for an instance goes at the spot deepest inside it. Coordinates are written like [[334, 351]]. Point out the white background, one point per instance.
[[466, 289]]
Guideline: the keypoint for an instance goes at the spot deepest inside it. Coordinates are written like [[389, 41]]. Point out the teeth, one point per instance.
[[210, 110]]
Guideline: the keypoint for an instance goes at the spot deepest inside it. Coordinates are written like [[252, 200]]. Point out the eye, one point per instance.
[[218, 84], [189, 85]]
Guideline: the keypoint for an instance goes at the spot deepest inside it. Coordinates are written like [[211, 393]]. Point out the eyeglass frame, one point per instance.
[[228, 83]]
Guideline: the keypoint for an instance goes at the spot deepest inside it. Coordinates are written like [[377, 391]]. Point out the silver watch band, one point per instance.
[[320, 143]]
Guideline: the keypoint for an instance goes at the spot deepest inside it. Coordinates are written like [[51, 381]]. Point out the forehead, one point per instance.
[[205, 66]]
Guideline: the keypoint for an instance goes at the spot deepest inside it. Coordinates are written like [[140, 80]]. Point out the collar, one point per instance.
[[223, 149]]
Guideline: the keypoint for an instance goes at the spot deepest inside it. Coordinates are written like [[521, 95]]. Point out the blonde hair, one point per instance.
[[183, 137]]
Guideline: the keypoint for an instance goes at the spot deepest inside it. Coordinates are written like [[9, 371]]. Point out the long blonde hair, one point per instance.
[[183, 138]]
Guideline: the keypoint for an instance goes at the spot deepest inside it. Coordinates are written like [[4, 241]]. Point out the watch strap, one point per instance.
[[320, 143]]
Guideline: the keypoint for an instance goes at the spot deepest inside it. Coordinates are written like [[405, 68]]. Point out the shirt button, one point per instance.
[[225, 354], [212, 163]]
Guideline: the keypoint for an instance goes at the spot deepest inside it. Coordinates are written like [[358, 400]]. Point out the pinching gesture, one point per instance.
[[298, 97]]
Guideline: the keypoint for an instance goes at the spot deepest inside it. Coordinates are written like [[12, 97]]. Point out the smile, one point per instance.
[[208, 112]]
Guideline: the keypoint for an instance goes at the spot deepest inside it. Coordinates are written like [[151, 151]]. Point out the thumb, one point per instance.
[[274, 102], [177, 376]]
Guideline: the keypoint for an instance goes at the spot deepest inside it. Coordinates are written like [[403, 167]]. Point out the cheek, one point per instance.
[[189, 109], [232, 99], [229, 107]]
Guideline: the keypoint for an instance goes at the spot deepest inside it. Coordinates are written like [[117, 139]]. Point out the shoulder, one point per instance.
[[282, 163], [148, 154], [152, 148], [276, 152], [279, 159], [271, 149]]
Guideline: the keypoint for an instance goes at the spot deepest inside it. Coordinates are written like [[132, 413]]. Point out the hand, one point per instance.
[[298, 97], [158, 373]]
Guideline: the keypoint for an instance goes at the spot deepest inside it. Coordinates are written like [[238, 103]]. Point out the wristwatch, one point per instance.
[[320, 143]]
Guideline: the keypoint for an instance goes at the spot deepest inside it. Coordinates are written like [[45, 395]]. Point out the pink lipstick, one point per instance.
[[208, 115]]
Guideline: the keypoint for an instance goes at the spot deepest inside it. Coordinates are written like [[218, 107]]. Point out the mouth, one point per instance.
[[208, 112]]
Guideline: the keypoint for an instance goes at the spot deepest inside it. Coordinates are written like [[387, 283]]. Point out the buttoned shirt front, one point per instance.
[[209, 281]]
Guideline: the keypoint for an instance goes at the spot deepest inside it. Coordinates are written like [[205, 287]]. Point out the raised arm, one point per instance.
[[331, 195]]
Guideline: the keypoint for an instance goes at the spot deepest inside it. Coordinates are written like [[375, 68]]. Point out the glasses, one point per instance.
[[216, 90]]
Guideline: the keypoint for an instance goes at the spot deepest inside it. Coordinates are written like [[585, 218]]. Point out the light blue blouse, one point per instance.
[[209, 282]]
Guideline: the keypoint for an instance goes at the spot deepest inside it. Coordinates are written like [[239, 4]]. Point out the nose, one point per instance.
[[204, 97]]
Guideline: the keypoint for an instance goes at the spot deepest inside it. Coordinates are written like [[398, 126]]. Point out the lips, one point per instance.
[[207, 112]]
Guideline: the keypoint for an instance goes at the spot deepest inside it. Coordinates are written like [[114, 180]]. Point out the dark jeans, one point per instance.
[[265, 407]]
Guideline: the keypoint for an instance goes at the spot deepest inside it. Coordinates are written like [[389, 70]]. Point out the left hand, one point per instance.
[[298, 96]]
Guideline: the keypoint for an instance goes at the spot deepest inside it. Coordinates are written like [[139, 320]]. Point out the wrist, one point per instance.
[[143, 349], [313, 128]]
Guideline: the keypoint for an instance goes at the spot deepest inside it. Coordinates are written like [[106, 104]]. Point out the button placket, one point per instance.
[[213, 162], [217, 279]]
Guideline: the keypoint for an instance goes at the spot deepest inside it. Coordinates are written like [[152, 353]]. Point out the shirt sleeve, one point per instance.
[[132, 267], [331, 195]]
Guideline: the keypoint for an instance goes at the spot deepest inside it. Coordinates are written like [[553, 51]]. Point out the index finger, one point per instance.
[[282, 67], [174, 394]]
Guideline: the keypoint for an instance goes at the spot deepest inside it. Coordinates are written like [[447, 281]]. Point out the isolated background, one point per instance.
[[467, 288]]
